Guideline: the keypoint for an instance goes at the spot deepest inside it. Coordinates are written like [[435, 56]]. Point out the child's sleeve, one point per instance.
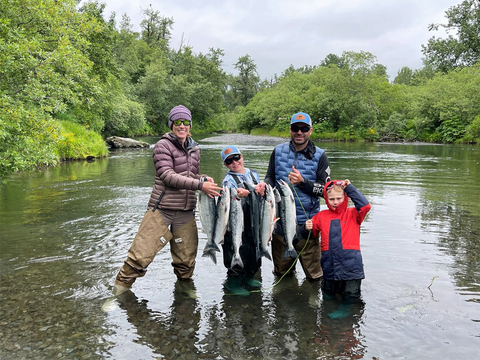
[[303, 233], [361, 203]]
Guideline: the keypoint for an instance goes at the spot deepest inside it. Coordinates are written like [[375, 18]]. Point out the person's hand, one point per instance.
[[210, 188], [309, 225], [345, 183], [260, 188], [241, 192], [209, 179], [295, 177]]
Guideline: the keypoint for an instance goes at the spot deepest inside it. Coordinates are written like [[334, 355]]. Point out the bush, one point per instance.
[[27, 137], [472, 132], [77, 142], [127, 119]]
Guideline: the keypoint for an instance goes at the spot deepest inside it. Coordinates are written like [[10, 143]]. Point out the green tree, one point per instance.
[[423, 75], [156, 29], [463, 49], [404, 76], [132, 55], [332, 59], [55, 59], [247, 81], [448, 104]]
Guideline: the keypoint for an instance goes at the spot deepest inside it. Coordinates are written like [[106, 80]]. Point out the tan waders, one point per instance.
[[309, 258], [184, 249], [152, 236]]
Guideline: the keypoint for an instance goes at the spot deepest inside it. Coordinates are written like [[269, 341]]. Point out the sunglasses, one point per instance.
[[231, 159], [333, 183], [304, 129], [184, 122]]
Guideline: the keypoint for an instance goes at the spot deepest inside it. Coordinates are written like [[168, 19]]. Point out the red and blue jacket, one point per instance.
[[340, 235]]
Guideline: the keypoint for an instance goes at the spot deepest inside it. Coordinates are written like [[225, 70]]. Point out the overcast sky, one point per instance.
[[280, 33]]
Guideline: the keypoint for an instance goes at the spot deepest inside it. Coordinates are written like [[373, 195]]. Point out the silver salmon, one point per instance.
[[235, 224], [222, 215], [254, 201], [267, 220], [207, 210], [288, 217]]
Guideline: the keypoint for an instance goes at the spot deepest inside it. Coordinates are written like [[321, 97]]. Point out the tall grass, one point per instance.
[[77, 142]]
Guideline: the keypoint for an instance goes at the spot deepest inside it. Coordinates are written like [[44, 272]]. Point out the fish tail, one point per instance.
[[266, 254], [290, 253], [236, 260], [211, 254], [211, 246]]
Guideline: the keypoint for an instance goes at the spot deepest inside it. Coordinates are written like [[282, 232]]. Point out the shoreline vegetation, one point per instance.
[[71, 76]]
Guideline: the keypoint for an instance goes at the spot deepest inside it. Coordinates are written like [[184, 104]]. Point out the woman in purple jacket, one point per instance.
[[170, 214]]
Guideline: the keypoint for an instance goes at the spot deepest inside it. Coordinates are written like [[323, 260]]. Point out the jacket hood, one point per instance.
[[343, 206]]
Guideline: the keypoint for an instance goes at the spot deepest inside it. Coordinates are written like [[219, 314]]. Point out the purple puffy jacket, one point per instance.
[[177, 174]]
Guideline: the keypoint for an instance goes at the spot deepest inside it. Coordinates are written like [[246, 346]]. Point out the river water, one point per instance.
[[65, 231]]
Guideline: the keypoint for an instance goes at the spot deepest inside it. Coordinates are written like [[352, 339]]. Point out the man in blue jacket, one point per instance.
[[307, 169]]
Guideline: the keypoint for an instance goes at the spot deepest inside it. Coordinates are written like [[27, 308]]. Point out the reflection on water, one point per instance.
[[64, 233]]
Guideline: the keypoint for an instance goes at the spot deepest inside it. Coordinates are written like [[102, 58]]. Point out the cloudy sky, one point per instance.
[[280, 33]]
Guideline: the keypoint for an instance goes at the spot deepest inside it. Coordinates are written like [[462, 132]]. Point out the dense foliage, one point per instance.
[[68, 73]]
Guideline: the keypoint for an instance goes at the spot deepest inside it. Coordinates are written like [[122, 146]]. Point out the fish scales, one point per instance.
[[254, 202], [287, 217], [236, 227], [267, 220]]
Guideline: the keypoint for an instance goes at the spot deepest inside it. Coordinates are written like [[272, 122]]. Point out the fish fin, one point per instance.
[[290, 253], [210, 246], [236, 260], [266, 254], [211, 254]]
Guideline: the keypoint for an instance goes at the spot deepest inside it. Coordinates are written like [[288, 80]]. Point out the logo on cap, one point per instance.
[[300, 117], [228, 151]]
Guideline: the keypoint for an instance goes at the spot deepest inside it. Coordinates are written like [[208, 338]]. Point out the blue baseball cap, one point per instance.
[[301, 117], [229, 151]]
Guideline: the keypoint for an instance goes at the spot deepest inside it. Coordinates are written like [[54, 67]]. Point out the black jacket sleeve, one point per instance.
[[270, 176]]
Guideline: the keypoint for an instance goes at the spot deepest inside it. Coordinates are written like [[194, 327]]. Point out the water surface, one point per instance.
[[65, 232]]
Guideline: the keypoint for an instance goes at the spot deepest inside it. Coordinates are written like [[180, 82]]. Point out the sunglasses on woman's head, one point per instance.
[[231, 159], [304, 129], [184, 122]]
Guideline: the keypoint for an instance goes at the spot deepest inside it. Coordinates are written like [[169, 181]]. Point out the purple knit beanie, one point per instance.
[[177, 113]]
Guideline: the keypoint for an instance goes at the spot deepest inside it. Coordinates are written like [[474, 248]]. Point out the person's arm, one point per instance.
[[323, 176], [163, 161], [270, 175], [305, 229], [311, 227], [361, 203]]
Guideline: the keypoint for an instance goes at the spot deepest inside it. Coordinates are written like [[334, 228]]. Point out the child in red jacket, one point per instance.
[[339, 229]]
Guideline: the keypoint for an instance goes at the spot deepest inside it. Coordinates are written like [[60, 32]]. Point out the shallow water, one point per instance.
[[65, 232]]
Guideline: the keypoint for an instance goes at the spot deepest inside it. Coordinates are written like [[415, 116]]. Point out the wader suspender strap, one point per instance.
[[237, 179], [158, 201]]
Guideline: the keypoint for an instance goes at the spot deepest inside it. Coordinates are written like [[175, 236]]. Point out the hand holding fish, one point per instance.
[[210, 188], [260, 188], [309, 225], [295, 177], [241, 192]]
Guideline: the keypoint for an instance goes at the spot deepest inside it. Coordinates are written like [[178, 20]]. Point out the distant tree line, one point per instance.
[[69, 77]]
